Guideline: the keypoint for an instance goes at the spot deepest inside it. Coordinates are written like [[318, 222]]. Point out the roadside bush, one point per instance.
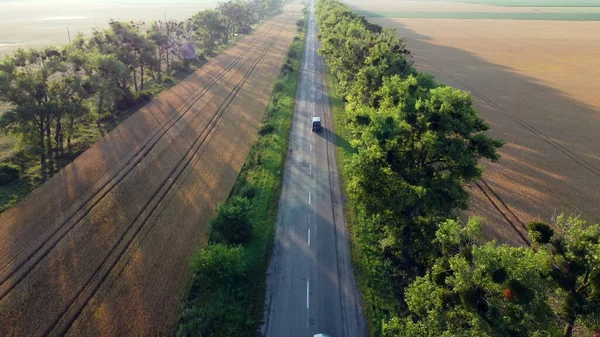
[[279, 86], [201, 58], [266, 129], [287, 68], [143, 96], [218, 288], [248, 191], [217, 264], [540, 232], [8, 173], [126, 102], [292, 53], [168, 80], [232, 224]]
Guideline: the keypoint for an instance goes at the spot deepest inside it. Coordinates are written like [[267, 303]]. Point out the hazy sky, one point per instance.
[[162, 2]]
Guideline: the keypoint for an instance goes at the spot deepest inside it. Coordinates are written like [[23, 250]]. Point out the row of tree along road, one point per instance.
[[57, 95], [415, 144]]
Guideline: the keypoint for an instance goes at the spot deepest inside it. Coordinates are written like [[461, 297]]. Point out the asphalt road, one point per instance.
[[310, 284]]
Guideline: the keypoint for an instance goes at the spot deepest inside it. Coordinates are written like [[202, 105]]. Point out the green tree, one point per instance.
[[387, 57], [478, 290], [574, 252], [108, 78], [232, 224], [217, 264], [346, 48], [209, 28], [219, 286], [228, 12], [414, 155], [133, 48], [27, 81]]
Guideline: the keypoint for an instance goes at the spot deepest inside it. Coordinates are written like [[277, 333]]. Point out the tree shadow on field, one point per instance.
[[551, 161]]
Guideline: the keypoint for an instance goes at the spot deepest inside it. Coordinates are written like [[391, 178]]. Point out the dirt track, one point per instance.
[[102, 248], [534, 82]]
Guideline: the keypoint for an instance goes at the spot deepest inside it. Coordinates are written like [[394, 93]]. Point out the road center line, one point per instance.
[[307, 291], [309, 198], [309, 236]]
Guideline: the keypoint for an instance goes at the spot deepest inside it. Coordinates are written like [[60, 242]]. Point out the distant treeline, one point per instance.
[[416, 144], [54, 91]]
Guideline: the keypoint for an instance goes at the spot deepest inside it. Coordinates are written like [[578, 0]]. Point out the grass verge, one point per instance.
[[227, 294]]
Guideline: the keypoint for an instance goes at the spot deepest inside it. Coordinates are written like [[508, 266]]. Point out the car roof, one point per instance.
[[317, 119]]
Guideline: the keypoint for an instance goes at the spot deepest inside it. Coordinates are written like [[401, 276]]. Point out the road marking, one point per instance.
[[309, 236], [307, 290], [309, 198], [307, 305], [310, 147], [310, 168]]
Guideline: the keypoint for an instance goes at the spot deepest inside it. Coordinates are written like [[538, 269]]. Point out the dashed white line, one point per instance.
[[307, 291], [309, 197], [309, 236]]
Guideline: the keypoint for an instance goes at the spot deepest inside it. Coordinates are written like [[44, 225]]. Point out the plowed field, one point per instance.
[[536, 83], [102, 248]]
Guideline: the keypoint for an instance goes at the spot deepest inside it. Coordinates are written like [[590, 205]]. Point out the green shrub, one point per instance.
[[287, 68], [248, 191], [540, 232], [217, 264], [232, 224], [143, 96], [292, 53], [266, 129], [279, 86], [168, 80], [218, 291], [8, 173]]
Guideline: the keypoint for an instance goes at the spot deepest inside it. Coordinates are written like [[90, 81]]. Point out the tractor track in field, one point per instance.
[[500, 205], [568, 153], [34, 252]]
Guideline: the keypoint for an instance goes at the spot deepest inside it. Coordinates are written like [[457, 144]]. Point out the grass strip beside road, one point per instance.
[[227, 294]]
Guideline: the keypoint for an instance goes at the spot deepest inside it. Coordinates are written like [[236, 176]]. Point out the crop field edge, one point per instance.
[[528, 3], [263, 173], [482, 15]]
